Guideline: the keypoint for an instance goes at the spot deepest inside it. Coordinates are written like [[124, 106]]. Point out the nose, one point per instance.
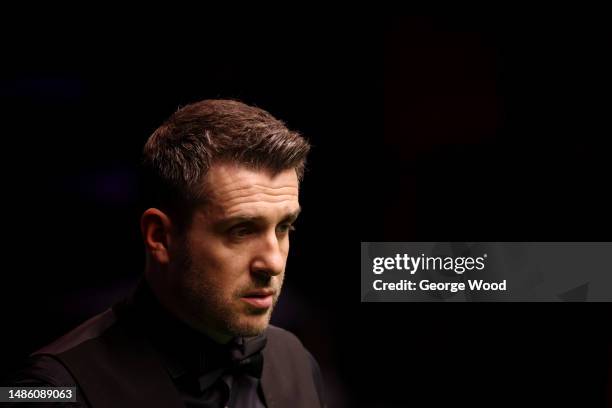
[[270, 257]]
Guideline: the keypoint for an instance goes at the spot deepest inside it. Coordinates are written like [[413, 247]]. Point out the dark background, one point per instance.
[[424, 128]]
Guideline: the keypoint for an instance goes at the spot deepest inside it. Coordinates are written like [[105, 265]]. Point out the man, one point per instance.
[[223, 180]]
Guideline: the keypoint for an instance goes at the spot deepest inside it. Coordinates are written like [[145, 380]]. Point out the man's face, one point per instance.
[[231, 262]]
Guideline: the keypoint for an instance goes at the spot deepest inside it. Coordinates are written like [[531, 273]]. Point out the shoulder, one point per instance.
[[45, 366], [47, 371], [43, 370], [90, 329]]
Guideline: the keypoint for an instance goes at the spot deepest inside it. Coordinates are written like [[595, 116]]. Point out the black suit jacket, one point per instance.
[[113, 364]]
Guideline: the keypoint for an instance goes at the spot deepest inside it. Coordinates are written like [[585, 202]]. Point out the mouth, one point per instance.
[[261, 299]]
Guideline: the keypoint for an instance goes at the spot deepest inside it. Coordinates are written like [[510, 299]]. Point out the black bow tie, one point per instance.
[[244, 357]]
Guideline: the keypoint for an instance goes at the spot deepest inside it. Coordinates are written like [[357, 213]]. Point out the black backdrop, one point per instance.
[[424, 128]]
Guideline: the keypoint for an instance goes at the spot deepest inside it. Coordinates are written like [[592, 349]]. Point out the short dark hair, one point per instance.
[[178, 155]]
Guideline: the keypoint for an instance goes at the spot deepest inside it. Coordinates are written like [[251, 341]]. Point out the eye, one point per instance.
[[240, 231], [285, 228]]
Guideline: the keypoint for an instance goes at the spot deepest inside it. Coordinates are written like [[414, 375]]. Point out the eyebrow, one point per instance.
[[292, 216]]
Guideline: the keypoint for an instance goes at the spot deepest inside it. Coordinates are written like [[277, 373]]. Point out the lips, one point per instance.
[[260, 293], [261, 298]]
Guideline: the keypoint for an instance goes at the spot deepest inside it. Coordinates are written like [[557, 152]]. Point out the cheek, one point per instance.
[[219, 262]]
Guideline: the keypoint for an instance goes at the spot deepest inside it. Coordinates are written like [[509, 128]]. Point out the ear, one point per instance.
[[156, 228]]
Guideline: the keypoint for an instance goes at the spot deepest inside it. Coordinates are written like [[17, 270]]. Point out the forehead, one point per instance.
[[236, 190]]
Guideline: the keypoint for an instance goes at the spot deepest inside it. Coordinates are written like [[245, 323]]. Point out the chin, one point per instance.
[[250, 326]]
